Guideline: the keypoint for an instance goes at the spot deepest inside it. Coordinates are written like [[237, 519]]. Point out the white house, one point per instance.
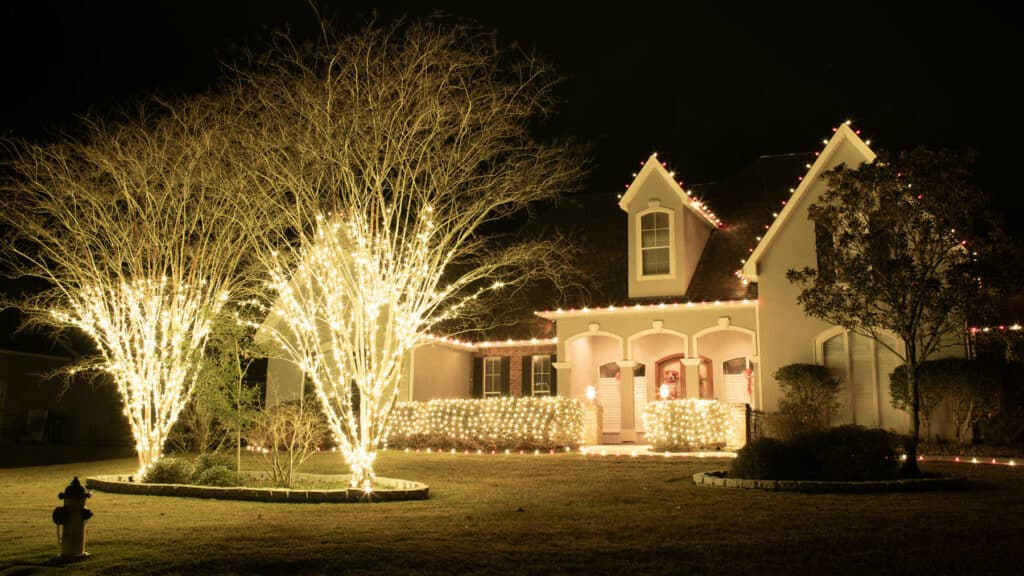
[[709, 312]]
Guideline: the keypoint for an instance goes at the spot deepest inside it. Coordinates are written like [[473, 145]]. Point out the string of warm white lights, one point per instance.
[[739, 273], [541, 423], [994, 329], [686, 423], [625, 308], [702, 208], [150, 336]]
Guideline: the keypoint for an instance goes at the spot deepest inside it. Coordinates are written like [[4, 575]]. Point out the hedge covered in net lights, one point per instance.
[[547, 422], [689, 424]]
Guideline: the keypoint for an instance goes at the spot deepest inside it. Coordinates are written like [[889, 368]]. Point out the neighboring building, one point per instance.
[[35, 409], [708, 311]]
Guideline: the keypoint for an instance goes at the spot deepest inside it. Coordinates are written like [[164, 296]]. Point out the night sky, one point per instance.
[[710, 86]]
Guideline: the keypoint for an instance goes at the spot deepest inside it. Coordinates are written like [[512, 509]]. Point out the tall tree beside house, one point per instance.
[[400, 150], [894, 257], [134, 225]]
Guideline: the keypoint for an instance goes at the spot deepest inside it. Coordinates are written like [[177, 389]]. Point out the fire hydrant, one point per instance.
[[72, 516]]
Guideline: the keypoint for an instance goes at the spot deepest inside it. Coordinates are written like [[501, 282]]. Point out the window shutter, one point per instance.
[[478, 378], [505, 374], [526, 376], [554, 378]]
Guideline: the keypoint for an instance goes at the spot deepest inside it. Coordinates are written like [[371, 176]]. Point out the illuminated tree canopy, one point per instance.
[[135, 227], [397, 150]]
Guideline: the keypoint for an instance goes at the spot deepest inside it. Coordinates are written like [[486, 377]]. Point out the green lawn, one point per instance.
[[561, 514]]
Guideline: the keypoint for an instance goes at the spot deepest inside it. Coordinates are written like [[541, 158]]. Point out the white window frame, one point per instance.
[[492, 376], [534, 372], [671, 245]]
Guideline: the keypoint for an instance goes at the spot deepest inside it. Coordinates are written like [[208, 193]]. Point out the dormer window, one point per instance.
[[656, 243]]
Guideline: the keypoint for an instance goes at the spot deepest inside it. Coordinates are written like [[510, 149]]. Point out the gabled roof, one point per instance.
[[654, 168], [843, 136]]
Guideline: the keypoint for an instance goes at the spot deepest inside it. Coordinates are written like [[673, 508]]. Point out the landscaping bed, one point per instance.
[[389, 489], [720, 478]]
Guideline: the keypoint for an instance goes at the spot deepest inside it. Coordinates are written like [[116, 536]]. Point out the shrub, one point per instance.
[[487, 424], [287, 435], [686, 424], [169, 470], [771, 459], [780, 426], [208, 460], [851, 452], [929, 393], [810, 393], [218, 475], [844, 453]]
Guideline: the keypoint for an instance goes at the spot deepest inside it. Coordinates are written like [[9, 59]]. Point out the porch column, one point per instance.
[[628, 433], [691, 366], [757, 387]]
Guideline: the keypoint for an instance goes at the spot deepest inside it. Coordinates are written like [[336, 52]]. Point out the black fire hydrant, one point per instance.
[[72, 516]]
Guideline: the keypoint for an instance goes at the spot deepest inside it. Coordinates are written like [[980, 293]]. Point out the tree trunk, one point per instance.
[[910, 467]]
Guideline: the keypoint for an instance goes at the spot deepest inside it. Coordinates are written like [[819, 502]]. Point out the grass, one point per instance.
[[515, 514]]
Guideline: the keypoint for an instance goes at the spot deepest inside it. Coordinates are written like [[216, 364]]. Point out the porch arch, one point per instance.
[[585, 352], [721, 345]]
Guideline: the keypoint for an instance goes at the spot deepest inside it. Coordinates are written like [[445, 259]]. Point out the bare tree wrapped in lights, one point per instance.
[[398, 149], [134, 227]]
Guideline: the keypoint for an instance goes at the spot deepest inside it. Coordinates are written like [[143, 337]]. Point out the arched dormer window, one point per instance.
[[655, 245]]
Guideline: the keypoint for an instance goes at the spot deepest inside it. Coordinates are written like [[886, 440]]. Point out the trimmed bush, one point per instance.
[[683, 425], [208, 460], [531, 423], [169, 470], [771, 459], [845, 453], [218, 476], [852, 453], [810, 393]]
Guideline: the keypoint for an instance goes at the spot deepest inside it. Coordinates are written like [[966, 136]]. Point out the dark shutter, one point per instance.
[[505, 374], [526, 377], [554, 377], [478, 377]]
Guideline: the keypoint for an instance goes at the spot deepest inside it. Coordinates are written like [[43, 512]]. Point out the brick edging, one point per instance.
[[121, 484], [719, 479]]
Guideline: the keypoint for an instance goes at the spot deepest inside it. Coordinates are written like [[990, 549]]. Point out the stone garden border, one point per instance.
[[719, 478], [402, 490]]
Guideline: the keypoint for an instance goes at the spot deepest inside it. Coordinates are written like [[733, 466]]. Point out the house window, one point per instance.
[[541, 374], [492, 376], [656, 243], [863, 367]]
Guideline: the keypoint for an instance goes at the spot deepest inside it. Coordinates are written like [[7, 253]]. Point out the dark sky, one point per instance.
[[710, 86]]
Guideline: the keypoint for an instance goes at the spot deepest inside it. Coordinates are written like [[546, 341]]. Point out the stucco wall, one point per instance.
[[440, 371], [786, 333]]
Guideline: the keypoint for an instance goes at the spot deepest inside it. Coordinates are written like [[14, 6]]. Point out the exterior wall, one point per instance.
[[689, 234], [284, 382], [786, 333], [696, 232], [437, 371], [77, 412]]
